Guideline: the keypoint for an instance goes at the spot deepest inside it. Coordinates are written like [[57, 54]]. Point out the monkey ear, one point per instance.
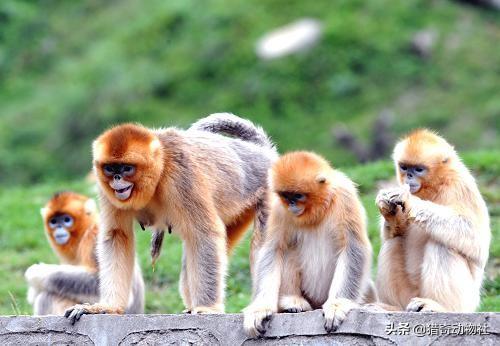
[[320, 178], [90, 206], [154, 145], [43, 211]]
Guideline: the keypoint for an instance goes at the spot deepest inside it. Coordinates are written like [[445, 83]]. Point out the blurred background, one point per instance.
[[345, 78]]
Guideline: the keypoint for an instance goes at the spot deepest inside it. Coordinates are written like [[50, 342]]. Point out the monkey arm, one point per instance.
[[347, 283], [66, 281], [268, 276], [266, 291], [80, 286], [350, 270], [116, 255], [448, 227], [394, 227], [395, 220]]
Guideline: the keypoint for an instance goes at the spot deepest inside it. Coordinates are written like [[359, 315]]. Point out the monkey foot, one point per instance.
[[335, 312], [294, 304], [216, 309], [256, 322], [75, 312], [418, 304]]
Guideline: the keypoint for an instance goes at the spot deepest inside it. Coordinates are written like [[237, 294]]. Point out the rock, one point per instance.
[[360, 328], [292, 38]]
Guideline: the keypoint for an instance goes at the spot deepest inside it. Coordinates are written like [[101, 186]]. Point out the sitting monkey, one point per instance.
[[316, 252], [70, 221], [435, 230]]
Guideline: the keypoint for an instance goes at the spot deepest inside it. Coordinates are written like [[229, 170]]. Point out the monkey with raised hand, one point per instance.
[[206, 183], [435, 230], [71, 226], [316, 252]]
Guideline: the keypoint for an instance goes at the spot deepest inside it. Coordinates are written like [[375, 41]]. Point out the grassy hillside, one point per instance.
[[68, 69], [22, 242]]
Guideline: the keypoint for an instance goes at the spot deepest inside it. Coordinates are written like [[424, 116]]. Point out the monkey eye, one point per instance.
[[299, 197], [128, 170], [404, 168], [420, 170], [53, 221], [108, 170], [68, 221]]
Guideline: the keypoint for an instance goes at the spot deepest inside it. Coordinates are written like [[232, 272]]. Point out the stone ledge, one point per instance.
[[360, 328]]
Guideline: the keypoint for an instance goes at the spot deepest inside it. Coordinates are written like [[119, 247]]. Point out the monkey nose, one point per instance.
[[117, 177]]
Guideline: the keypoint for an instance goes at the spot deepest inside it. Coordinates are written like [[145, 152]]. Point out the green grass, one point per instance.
[[71, 68], [23, 243]]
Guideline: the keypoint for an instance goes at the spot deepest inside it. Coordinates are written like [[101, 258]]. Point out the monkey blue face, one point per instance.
[[412, 175], [118, 174], [295, 201], [60, 225]]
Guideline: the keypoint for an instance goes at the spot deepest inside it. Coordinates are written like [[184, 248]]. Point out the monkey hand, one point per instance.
[[76, 311], [335, 312], [393, 202], [293, 304], [256, 320]]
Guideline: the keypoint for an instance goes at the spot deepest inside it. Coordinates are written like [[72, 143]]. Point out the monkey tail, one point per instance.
[[232, 125]]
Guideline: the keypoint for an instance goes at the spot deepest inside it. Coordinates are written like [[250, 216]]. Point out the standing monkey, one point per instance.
[[435, 230], [204, 186], [70, 221], [316, 251]]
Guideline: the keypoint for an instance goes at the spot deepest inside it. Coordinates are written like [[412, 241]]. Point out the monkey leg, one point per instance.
[[184, 285], [291, 298], [393, 284], [369, 294], [259, 229], [50, 304], [448, 284], [206, 266]]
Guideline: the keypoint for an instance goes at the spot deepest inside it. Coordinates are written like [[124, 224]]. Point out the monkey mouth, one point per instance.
[[414, 188], [61, 236], [123, 194], [122, 188], [295, 210]]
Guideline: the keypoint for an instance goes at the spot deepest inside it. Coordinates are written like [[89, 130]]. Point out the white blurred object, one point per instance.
[[423, 43], [295, 37]]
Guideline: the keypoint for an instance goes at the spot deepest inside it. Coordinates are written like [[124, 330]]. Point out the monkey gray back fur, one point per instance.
[[232, 125]]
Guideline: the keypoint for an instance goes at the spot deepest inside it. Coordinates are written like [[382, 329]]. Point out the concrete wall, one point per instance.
[[360, 328]]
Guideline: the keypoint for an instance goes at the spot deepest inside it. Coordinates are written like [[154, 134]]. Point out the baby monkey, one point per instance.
[[316, 251], [70, 221]]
